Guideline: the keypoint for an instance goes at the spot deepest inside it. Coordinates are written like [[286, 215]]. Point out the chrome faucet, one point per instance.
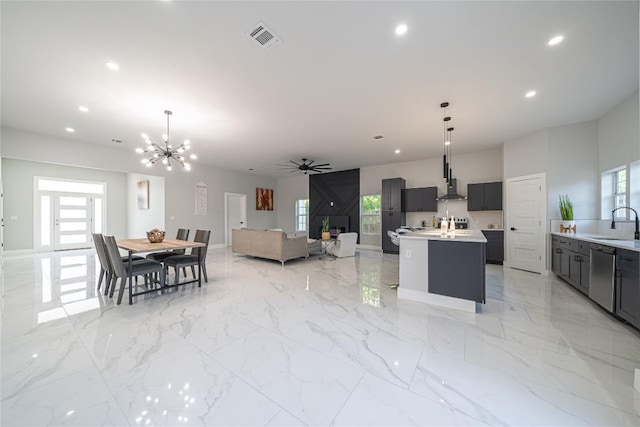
[[636, 235]]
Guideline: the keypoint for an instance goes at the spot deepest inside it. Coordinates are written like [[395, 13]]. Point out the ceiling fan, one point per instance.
[[306, 167]]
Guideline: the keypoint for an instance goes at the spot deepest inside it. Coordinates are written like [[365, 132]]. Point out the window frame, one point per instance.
[[363, 215], [624, 213], [298, 215]]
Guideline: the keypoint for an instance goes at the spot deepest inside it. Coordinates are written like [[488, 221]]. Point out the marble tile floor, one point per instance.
[[318, 343]]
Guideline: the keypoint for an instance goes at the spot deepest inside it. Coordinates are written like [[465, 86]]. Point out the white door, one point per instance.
[[73, 214], [526, 214], [236, 213]]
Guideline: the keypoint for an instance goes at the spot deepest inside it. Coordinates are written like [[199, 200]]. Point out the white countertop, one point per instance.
[[616, 242], [457, 236]]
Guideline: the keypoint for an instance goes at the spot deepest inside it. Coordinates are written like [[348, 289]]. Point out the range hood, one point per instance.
[[452, 192]]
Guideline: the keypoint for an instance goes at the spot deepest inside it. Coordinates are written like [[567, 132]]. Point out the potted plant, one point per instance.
[[326, 235], [566, 211]]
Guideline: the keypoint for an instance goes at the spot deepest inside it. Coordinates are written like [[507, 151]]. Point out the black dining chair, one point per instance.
[[183, 234], [106, 269], [197, 256], [142, 267]]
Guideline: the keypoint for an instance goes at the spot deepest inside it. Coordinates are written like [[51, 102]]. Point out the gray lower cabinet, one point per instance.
[[628, 286], [495, 246], [570, 261], [457, 269]]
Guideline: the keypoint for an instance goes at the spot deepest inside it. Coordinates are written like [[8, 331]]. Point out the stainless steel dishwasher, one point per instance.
[[602, 276]]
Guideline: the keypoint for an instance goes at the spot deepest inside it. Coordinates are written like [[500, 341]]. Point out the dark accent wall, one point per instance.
[[343, 189]]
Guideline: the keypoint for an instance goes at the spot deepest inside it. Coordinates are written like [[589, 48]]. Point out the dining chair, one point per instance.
[[197, 255], [183, 234], [106, 269], [142, 267]]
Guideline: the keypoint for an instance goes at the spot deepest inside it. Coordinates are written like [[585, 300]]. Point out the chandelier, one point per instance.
[[167, 153]]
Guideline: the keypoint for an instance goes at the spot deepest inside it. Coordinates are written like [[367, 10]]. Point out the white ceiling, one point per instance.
[[339, 77]]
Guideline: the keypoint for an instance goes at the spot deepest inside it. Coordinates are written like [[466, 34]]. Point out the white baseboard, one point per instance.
[[369, 247], [217, 246]]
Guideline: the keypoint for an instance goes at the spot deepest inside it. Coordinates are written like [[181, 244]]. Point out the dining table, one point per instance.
[[135, 246]]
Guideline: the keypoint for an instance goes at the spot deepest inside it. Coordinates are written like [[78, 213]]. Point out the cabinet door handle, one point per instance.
[[513, 229], [558, 250]]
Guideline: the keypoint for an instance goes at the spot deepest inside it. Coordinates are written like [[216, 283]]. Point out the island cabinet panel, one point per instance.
[[495, 246], [486, 196], [420, 199], [628, 286], [457, 269]]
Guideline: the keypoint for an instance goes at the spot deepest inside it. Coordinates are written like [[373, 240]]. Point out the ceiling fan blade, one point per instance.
[[298, 165], [311, 162], [285, 166], [323, 168], [324, 164]]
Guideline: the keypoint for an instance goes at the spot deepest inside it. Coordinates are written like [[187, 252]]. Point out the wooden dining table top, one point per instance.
[[143, 245]]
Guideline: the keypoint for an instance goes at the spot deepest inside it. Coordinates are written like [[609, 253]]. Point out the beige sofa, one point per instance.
[[268, 244]]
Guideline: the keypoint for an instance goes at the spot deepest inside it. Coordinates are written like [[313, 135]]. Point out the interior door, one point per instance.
[[236, 215], [526, 206], [73, 215]]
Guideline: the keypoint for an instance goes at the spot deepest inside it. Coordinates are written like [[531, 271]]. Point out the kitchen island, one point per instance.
[[447, 270]]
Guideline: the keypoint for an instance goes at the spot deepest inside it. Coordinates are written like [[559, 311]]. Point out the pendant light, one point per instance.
[[446, 170], [449, 156]]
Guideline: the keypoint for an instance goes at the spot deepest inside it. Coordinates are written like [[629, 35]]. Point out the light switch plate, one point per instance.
[[172, 217], [409, 253], [13, 217]]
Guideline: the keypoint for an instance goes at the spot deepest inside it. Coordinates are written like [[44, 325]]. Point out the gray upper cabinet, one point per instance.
[[420, 199], [486, 196]]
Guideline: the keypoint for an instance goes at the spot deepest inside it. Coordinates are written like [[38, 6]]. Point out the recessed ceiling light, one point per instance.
[[70, 130], [83, 109], [401, 29], [555, 40], [397, 151], [112, 65], [530, 94]]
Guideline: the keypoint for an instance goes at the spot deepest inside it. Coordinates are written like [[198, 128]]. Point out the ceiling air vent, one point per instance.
[[264, 36]]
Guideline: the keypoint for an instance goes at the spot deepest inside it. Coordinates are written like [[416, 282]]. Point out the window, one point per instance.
[[302, 215], [371, 219], [620, 191]]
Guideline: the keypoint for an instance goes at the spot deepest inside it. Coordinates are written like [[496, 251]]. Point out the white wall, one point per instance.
[[572, 169], [290, 189], [139, 221], [619, 135], [179, 185], [18, 180]]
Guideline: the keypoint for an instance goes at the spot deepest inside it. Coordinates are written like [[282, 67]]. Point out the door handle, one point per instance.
[[513, 229], [241, 222]]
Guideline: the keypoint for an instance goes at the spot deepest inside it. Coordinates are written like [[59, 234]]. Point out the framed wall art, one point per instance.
[[264, 199]]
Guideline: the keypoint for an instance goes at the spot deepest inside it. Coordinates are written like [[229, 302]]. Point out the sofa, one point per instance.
[[269, 244]]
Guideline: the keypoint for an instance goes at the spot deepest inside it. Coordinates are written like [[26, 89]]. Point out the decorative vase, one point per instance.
[[326, 235], [567, 226]]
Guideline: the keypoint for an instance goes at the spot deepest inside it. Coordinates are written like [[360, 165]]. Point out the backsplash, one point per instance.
[[624, 229]]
